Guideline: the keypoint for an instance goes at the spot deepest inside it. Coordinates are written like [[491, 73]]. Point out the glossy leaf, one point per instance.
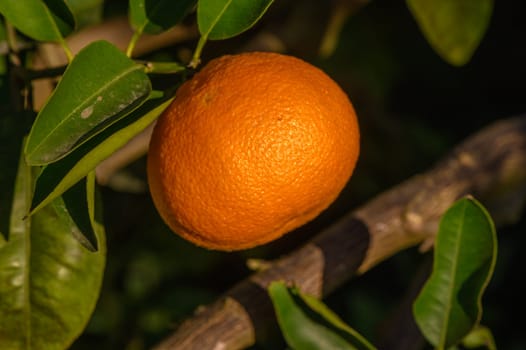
[[449, 305], [453, 28], [49, 283], [156, 16], [58, 177], [44, 20], [308, 324], [98, 88], [222, 19], [14, 267]]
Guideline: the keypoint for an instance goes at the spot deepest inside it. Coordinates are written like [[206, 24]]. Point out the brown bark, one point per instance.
[[491, 165]]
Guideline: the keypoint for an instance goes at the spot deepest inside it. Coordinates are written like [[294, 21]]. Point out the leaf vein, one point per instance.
[[83, 105]]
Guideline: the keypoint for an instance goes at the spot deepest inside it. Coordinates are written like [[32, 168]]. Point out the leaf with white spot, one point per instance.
[[98, 88], [58, 177]]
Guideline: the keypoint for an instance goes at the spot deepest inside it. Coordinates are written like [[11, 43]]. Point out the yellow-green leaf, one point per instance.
[[454, 28], [60, 176]]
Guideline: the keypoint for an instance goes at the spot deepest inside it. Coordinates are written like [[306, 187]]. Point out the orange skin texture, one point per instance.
[[253, 146]]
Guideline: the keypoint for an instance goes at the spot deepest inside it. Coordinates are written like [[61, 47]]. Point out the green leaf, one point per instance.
[[222, 19], [156, 16], [449, 305], [453, 28], [98, 88], [58, 177], [44, 20], [72, 206], [478, 337], [49, 283], [308, 324], [86, 12]]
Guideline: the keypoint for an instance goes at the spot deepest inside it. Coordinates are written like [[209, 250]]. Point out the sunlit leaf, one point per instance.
[[156, 16], [308, 324], [98, 88], [48, 20], [49, 283], [453, 28], [58, 177], [222, 19], [449, 305]]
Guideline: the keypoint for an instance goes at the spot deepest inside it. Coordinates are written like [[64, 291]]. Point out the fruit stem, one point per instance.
[[163, 67], [196, 58]]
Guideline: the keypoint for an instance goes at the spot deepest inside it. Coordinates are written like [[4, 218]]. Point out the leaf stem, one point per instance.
[[196, 58], [67, 50], [133, 42], [163, 67]]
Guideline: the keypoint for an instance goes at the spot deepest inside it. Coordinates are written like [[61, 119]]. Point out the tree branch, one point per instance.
[[491, 165]]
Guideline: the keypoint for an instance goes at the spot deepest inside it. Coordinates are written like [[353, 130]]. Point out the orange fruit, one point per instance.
[[253, 146]]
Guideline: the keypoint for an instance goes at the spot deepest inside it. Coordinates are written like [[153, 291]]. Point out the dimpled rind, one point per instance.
[[253, 146]]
